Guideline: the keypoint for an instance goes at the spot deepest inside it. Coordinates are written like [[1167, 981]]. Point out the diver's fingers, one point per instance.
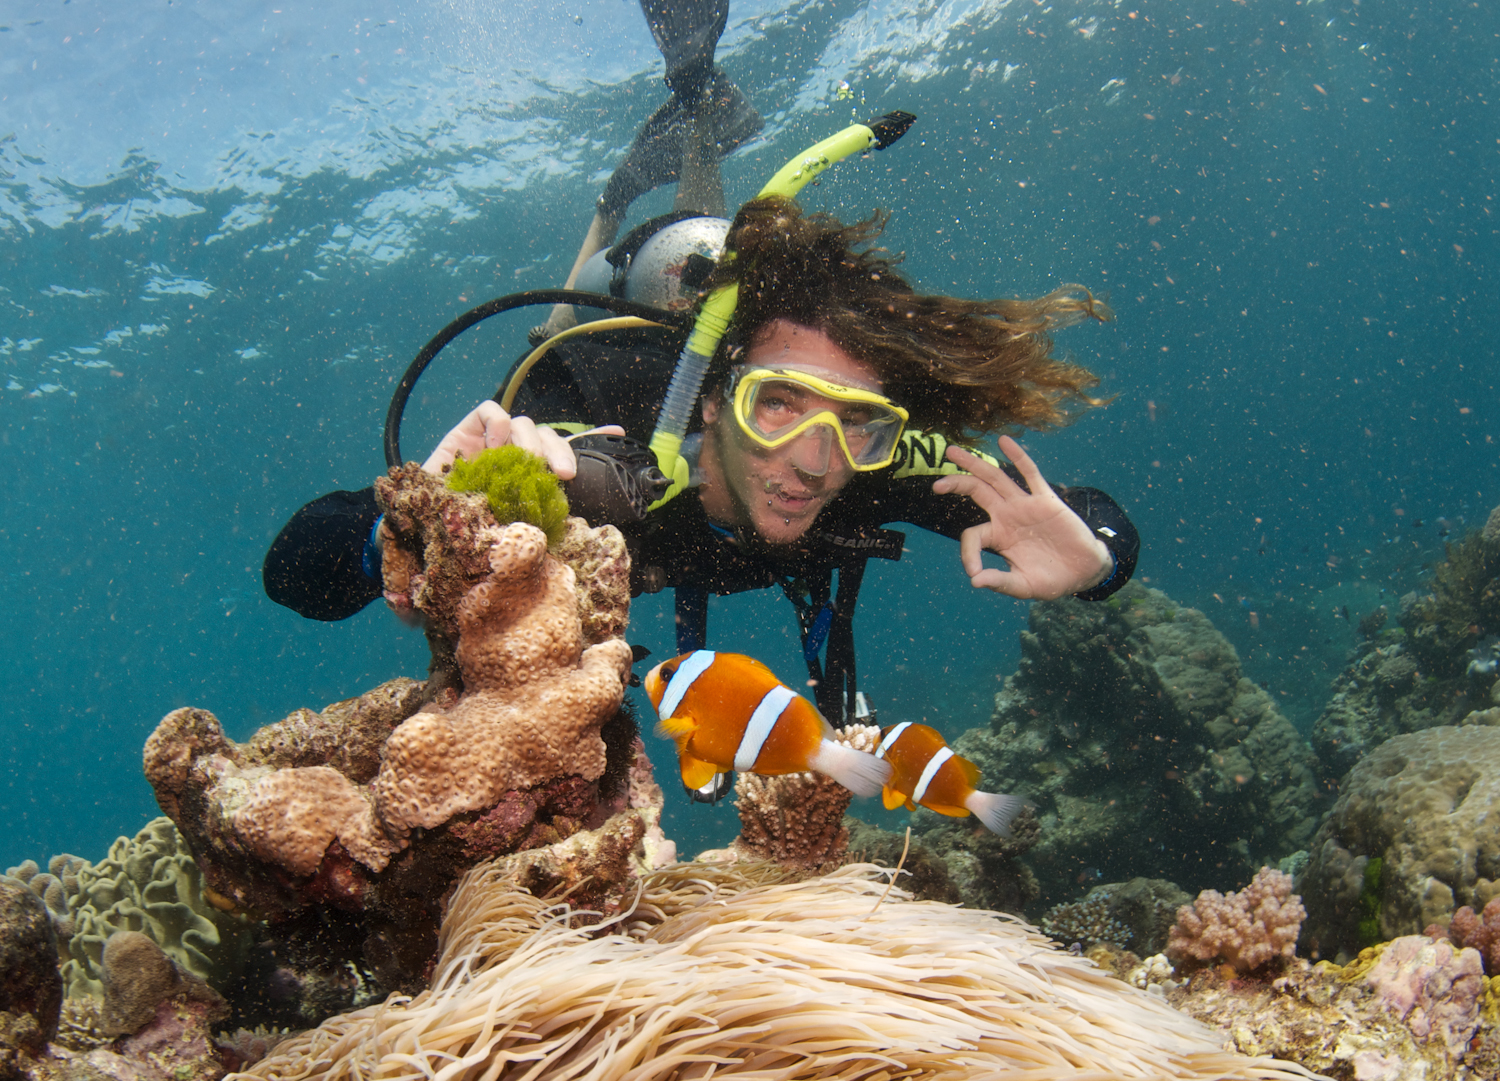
[[976, 488], [545, 443], [603, 429], [486, 425], [992, 475], [495, 423], [970, 545], [1035, 482], [1007, 582]]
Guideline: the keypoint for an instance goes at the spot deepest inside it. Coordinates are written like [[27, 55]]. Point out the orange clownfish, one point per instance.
[[925, 770], [726, 711]]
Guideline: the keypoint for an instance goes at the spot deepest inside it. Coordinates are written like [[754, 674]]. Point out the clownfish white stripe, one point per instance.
[[930, 771], [689, 670], [761, 722], [890, 739]]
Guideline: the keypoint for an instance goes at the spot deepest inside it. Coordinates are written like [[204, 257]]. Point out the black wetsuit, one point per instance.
[[319, 563]]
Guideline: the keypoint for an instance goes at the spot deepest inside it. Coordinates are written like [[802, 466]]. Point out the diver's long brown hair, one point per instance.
[[817, 272]]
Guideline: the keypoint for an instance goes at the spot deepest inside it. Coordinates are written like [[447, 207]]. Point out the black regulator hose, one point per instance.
[[495, 307]]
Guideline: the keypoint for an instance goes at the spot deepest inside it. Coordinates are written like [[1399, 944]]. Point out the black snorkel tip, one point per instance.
[[890, 127]]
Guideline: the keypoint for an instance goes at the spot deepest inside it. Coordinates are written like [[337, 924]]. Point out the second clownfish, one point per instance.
[[926, 771], [726, 711]]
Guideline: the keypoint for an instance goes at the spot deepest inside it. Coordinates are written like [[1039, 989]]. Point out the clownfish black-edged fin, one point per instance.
[[996, 811], [861, 773], [695, 772]]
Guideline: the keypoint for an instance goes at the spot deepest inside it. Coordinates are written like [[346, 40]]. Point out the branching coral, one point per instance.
[[1245, 930], [729, 971], [1480, 932], [1086, 922]]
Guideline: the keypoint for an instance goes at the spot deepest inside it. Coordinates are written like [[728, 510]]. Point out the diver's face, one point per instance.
[[778, 491]]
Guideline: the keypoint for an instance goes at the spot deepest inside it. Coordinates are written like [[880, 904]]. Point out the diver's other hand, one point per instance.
[[1051, 551], [487, 425]]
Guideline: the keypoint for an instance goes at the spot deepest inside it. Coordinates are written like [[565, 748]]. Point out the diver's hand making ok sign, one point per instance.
[[1051, 552]]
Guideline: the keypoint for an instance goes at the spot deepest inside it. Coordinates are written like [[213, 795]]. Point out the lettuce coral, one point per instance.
[[149, 884], [518, 485]]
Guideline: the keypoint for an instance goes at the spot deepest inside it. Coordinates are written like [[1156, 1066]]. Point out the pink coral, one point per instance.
[[1481, 932], [1433, 987], [1245, 930]]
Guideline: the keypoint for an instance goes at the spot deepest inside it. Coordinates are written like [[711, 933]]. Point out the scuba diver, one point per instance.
[[827, 399]]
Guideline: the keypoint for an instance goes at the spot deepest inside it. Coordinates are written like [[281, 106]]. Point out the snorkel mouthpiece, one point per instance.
[[718, 309]]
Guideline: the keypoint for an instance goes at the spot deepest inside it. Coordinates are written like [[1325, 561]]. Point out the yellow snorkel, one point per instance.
[[718, 309]]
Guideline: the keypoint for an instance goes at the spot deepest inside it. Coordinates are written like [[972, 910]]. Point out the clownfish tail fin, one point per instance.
[[859, 772], [996, 811]]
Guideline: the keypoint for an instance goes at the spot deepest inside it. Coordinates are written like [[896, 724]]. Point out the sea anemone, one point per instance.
[[734, 971]]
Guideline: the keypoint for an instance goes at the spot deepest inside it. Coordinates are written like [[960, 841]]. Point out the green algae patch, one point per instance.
[[519, 487], [1369, 903]]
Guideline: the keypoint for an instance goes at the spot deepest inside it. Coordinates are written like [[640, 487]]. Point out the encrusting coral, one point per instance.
[[1406, 1010], [1245, 930], [734, 972], [508, 744]]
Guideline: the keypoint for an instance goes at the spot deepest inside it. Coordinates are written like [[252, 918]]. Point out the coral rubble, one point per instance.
[[1403, 1011], [1145, 749], [1422, 804]]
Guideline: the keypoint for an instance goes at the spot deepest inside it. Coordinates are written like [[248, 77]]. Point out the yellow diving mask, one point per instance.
[[777, 405]]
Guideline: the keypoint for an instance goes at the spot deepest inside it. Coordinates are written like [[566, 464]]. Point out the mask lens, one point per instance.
[[812, 450], [777, 407]]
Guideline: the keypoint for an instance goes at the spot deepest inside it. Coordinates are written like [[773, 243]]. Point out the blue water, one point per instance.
[[226, 228]]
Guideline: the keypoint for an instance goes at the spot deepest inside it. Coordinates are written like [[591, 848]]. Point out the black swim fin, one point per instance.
[[655, 157], [687, 33]]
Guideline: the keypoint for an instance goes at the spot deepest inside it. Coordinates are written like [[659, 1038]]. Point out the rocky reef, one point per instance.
[[1414, 835], [1145, 750], [1436, 665]]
